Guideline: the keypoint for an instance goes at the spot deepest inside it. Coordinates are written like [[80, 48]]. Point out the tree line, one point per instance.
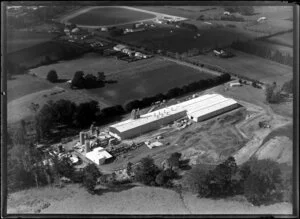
[[260, 181], [263, 51]]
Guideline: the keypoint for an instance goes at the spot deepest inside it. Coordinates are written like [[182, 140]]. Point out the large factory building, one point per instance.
[[196, 109]]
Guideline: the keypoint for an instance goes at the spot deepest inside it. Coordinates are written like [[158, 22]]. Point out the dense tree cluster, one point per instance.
[[188, 26], [91, 174], [176, 92], [262, 51], [288, 86], [52, 76], [87, 81], [259, 180], [65, 112], [244, 10], [148, 173]]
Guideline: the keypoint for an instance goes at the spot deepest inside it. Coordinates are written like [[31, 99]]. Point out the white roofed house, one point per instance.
[[119, 47], [99, 155]]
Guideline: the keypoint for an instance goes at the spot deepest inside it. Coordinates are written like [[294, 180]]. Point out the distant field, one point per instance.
[[274, 46], [109, 16], [163, 38], [17, 40], [251, 66], [282, 39], [134, 80]]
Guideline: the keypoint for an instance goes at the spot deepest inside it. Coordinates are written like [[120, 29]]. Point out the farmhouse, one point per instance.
[[98, 155], [197, 109]]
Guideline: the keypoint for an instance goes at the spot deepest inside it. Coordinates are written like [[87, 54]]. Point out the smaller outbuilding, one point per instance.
[[119, 47], [98, 155]]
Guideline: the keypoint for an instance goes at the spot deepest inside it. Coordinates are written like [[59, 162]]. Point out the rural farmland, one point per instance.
[[17, 40], [109, 16], [134, 80], [250, 66]]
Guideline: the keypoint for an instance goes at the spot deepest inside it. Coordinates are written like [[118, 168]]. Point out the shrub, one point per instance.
[[52, 76]]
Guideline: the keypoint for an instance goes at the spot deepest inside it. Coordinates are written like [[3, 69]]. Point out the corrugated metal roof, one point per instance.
[[195, 107]]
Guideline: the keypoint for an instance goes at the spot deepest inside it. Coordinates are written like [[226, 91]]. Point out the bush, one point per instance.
[[90, 176], [52, 76], [264, 183], [146, 171]]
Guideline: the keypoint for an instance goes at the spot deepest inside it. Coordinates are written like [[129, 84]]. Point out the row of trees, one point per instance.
[[232, 18], [262, 51], [176, 92], [258, 180], [244, 10]]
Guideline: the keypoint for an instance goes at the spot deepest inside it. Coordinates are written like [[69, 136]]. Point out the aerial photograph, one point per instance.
[[147, 109]]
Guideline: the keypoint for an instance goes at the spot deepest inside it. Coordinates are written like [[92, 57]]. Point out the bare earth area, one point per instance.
[[73, 199]]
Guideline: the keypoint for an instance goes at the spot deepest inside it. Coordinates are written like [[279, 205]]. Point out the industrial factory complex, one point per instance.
[[196, 109]]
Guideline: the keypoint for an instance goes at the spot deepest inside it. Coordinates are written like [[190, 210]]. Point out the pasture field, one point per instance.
[[109, 16], [22, 85], [17, 40], [274, 46], [167, 38], [250, 66], [282, 39], [134, 80]]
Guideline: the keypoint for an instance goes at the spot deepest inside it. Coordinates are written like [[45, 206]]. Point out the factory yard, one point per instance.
[[134, 80]]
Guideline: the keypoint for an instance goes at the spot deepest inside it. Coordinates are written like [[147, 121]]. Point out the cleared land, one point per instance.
[[250, 66], [17, 40], [283, 39], [109, 16], [130, 199], [134, 80]]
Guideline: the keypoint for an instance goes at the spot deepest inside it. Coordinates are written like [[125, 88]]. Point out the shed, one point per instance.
[[98, 155]]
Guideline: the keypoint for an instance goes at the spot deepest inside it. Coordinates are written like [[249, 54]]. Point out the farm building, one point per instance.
[[98, 155], [197, 109], [119, 47]]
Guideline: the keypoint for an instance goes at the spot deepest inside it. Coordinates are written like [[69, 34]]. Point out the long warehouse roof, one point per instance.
[[196, 107], [147, 118]]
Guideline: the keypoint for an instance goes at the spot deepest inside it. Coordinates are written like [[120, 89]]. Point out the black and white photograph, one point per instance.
[[158, 108]]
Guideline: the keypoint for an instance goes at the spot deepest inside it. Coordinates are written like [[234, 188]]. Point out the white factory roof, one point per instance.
[[147, 118], [195, 107], [97, 154]]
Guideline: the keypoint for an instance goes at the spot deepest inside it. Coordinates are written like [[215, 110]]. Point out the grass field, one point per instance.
[[282, 39], [129, 199], [109, 16], [167, 38], [17, 40], [22, 85], [250, 66], [134, 80]]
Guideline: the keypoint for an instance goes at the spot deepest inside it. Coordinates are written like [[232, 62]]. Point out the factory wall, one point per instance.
[[214, 113]]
